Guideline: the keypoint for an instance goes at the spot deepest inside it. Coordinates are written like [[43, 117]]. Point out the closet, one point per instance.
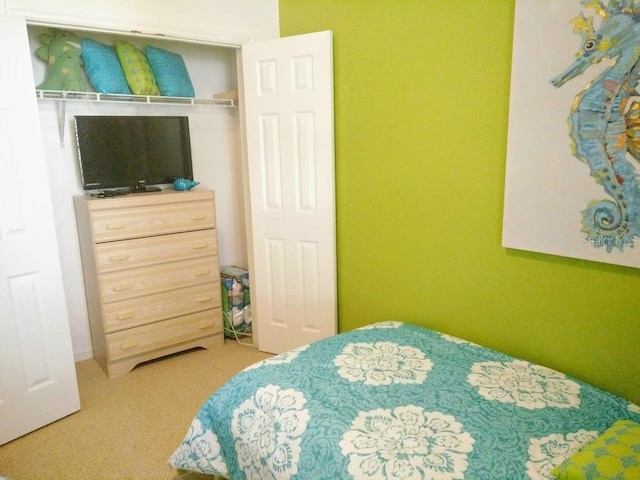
[[215, 145], [276, 194]]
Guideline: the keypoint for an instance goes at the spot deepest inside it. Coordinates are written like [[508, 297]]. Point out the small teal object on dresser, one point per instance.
[[184, 184]]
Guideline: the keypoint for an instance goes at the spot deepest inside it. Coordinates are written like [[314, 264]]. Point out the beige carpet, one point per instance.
[[127, 426]]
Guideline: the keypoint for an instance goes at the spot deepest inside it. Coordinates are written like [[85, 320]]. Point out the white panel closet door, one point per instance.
[[37, 372], [288, 107]]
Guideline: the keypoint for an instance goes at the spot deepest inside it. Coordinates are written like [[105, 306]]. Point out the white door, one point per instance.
[[37, 372], [288, 118]]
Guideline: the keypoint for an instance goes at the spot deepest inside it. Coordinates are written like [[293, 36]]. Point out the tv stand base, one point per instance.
[[144, 189]]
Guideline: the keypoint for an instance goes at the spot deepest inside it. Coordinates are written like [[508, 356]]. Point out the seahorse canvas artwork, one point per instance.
[[572, 183]]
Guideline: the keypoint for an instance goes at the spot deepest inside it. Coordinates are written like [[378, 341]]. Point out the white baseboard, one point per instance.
[[84, 354]]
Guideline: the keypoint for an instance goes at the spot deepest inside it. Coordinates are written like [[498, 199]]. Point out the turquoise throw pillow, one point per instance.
[[103, 68], [614, 455], [170, 73]]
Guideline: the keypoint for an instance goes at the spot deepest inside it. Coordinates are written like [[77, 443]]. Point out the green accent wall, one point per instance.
[[421, 108]]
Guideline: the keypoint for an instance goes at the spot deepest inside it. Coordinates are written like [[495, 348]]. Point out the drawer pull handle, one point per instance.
[[203, 273], [205, 325], [198, 216], [118, 258], [206, 299], [129, 344], [200, 246], [121, 288], [125, 315], [115, 226]]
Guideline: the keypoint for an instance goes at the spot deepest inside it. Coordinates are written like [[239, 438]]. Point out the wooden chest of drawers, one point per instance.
[[151, 273]]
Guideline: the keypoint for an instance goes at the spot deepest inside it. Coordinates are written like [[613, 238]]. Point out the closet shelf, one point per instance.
[[117, 98], [63, 97]]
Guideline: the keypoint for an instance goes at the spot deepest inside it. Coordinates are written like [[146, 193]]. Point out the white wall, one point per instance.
[[215, 146], [228, 22]]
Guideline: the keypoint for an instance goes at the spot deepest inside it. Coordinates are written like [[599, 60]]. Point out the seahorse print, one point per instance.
[[604, 123]]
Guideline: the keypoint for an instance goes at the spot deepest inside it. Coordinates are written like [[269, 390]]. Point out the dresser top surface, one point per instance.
[[162, 197]]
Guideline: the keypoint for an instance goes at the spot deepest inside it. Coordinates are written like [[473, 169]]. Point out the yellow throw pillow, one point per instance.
[[136, 69], [614, 455]]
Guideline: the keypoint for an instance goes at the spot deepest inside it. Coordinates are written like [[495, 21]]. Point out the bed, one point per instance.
[[398, 401]]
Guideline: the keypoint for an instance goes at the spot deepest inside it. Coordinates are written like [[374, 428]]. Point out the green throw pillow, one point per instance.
[[62, 52], [614, 455], [136, 69]]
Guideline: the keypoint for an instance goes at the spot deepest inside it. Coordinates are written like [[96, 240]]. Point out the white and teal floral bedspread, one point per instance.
[[395, 401]]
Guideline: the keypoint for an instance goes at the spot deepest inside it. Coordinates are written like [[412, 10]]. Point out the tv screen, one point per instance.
[[130, 152]]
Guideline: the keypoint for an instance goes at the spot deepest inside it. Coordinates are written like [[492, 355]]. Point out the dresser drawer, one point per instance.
[[152, 308], [146, 221], [142, 252], [134, 341], [137, 282]]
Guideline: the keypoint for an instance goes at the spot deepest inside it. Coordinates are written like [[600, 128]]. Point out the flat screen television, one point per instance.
[[132, 152]]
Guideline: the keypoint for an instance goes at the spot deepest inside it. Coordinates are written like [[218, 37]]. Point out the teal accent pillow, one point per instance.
[[136, 69], [170, 72], [614, 455], [103, 68]]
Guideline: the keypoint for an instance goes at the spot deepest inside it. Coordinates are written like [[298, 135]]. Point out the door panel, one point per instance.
[[288, 100], [37, 373]]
